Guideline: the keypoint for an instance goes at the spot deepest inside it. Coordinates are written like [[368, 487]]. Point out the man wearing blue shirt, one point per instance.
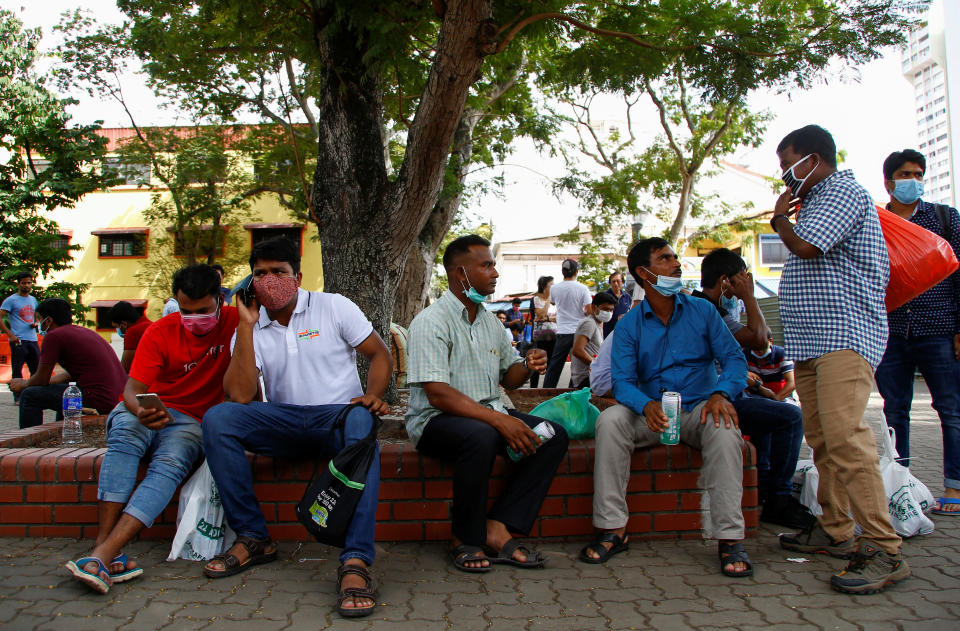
[[835, 323], [925, 332], [671, 342], [22, 335]]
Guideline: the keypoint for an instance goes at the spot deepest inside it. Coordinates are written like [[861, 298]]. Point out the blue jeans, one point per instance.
[[933, 356], [776, 430], [35, 399], [173, 450], [284, 430]]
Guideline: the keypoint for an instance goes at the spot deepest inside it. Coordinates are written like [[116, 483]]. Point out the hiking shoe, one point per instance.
[[815, 540], [785, 510], [870, 570]]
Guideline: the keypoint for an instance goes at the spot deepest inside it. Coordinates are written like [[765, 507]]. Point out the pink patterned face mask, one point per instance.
[[275, 292]]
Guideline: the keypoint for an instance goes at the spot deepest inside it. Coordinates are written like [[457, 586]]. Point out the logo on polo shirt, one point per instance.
[[308, 334]]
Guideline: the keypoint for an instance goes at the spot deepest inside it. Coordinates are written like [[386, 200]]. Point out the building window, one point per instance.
[[263, 231], [130, 174], [62, 241], [203, 238], [121, 243], [773, 252], [102, 309]]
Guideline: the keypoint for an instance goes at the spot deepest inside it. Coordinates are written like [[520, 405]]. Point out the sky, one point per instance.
[[869, 118]]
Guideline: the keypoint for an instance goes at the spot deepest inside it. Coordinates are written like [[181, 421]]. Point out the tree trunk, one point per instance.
[[683, 212], [356, 203]]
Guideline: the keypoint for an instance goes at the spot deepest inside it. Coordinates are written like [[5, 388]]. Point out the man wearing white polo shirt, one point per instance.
[[304, 345]]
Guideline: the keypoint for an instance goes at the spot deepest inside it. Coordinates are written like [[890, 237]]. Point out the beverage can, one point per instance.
[[670, 403], [544, 430]]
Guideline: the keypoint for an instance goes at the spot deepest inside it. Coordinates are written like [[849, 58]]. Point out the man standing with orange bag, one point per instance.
[[925, 332]]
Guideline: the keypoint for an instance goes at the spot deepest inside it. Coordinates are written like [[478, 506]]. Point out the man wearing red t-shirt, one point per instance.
[[85, 356], [182, 358], [130, 325]]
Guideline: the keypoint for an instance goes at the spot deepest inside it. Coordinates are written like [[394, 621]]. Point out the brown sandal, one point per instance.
[[258, 551], [355, 592]]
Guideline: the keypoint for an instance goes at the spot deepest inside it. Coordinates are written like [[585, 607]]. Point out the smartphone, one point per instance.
[[243, 291], [150, 400]]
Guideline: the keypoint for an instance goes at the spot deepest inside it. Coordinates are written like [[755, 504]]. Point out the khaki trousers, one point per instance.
[[833, 391], [620, 431]]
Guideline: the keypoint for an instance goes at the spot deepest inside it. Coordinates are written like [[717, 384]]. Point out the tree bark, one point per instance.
[[683, 212]]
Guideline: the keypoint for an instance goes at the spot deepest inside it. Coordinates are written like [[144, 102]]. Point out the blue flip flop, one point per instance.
[[946, 500], [91, 580], [126, 574]]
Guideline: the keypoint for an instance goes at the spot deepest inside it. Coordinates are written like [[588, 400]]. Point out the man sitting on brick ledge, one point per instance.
[[459, 354], [182, 358], [671, 342], [304, 344]]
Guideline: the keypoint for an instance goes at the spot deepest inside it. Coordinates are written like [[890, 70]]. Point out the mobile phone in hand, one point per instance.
[[243, 291], [151, 400]]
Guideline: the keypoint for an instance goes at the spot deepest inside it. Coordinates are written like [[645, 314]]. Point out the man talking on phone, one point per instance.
[[304, 346], [181, 359]]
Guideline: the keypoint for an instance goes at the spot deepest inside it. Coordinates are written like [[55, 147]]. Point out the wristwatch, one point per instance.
[[773, 221], [527, 366], [722, 393]]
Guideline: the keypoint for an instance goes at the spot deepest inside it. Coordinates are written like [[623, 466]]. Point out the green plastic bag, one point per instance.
[[573, 411]]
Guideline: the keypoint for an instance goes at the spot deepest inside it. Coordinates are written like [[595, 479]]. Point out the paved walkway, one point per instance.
[[659, 585]]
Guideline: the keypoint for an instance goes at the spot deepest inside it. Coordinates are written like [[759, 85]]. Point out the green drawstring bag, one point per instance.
[[573, 411]]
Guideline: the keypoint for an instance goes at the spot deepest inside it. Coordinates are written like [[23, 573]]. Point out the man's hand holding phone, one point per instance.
[[152, 413]]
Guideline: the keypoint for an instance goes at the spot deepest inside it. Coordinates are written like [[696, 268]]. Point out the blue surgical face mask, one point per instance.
[[730, 305], [471, 292], [907, 191], [667, 285], [120, 332]]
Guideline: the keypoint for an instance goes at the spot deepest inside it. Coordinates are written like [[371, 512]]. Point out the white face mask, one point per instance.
[[604, 316]]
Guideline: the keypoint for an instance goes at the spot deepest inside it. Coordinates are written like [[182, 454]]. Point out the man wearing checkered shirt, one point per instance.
[[832, 306]]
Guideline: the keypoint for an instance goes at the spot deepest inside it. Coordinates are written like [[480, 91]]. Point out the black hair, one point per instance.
[[196, 281], [639, 255], [603, 298], [616, 273], [123, 311], [516, 301], [570, 268], [219, 268], [460, 246], [542, 283], [720, 262], [898, 158], [503, 312], [21, 275], [56, 308], [277, 249], [811, 139]]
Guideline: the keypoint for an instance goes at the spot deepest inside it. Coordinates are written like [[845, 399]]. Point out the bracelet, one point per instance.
[[526, 365], [773, 221]]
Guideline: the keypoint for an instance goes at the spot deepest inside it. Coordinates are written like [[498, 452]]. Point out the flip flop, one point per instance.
[[505, 555], [126, 574], [93, 581], [464, 554], [943, 501], [620, 544], [733, 553]]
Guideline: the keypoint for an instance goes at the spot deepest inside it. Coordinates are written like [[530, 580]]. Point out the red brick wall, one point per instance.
[[52, 492]]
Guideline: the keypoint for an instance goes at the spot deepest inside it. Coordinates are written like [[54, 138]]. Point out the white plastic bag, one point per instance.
[[202, 532], [909, 498], [805, 482]]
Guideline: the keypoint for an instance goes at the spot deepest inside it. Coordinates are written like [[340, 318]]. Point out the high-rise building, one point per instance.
[[931, 63]]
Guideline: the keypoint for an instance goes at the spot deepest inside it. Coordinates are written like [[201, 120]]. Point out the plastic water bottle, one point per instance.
[[670, 403], [72, 411], [544, 430]]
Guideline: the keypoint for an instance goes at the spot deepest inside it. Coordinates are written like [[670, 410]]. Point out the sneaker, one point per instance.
[[815, 540], [870, 570], [785, 510]]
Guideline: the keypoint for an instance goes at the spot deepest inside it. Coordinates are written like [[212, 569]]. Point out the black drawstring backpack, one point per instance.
[[327, 507]]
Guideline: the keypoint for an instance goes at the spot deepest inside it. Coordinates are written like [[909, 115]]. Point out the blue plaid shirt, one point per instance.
[[937, 310], [835, 301]]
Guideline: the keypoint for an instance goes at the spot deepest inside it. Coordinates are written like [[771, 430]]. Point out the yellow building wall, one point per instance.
[[121, 207]]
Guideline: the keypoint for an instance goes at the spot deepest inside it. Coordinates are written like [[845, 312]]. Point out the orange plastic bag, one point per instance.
[[919, 259]]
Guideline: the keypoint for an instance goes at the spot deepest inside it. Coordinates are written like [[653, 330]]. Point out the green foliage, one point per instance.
[[44, 164]]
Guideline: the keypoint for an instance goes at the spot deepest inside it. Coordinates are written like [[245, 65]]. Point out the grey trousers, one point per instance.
[[620, 431]]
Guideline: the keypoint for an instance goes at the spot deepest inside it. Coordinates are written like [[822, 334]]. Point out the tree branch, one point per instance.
[[665, 125]]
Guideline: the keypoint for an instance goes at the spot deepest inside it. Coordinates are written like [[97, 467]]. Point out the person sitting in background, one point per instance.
[[623, 301], [588, 338], [130, 325], [85, 357], [515, 319], [544, 323], [773, 369], [182, 359]]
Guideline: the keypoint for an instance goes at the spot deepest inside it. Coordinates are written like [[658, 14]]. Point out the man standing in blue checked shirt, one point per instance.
[[925, 332], [831, 303], [459, 355]]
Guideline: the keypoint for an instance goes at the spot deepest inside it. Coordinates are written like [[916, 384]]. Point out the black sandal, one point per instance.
[[369, 591], [258, 551], [620, 544], [505, 555], [465, 553], [731, 553]]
